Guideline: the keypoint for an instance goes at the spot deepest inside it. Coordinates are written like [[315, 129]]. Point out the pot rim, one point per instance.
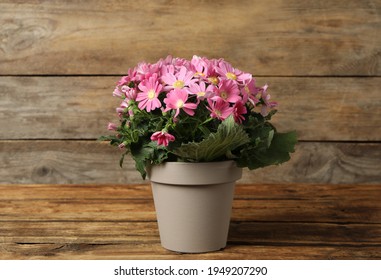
[[194, 173]]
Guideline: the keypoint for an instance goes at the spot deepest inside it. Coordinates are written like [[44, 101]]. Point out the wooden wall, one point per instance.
[[60, 60]]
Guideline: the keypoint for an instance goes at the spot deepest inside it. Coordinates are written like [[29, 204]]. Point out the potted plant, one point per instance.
[[191, 126]]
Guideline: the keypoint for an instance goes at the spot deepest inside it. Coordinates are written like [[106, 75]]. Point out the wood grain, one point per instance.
[[153, 251], [276, 37], [81, 107], [240, 233], [265, 203], [284, 221], [69, 162], [280, 191]]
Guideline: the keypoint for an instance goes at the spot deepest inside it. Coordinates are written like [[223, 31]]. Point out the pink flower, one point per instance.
[[124, 80], [249, 92], [228, 72], [130, 93], [112, 126], [130, 77], [178, 62], [146, 70], [122, 146], [150, 91], [182, 78], [162, 138], [176, 100], [201, 90], [228, 91], [266, 100], [239, 111], [117, 92], [122, 108], [125, 92], [167, 60], [201, 66], [219, 109]]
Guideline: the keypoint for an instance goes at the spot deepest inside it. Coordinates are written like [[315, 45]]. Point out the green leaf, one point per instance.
[[146, 154], [229, 136], [142, 156], [281, 146]]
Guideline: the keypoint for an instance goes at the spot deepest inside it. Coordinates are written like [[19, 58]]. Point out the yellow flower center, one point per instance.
[[224, 95], [201, 93], [213, 80], [151, 94], [178, 84], [199, 74], [179, 104], [231, 76]]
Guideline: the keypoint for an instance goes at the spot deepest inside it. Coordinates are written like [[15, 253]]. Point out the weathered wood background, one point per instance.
[[60, 60]]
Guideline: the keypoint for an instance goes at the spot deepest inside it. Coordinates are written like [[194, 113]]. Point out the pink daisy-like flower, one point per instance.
[[249, 92], [228, 72], [162, 137], [201, 90], [150, 91], [201, 66], [146, 70], [173, 80], [176, 100], [239, 111], [228, 91], [219, 109]]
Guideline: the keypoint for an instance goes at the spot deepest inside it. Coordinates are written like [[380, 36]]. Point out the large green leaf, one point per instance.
[[146, 154], [282, 144], [228, 137]]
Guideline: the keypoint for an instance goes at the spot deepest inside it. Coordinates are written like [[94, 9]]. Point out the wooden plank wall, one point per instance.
[[60, 60]]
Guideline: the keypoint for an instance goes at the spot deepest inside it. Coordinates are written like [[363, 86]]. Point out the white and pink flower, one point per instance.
[[148, 97], [201, 90], [177, 79], [227, 71], [176, 100]]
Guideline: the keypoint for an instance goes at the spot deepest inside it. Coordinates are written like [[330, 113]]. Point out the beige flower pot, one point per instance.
[[193, 203]]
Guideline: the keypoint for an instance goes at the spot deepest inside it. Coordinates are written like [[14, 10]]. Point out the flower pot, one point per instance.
[[193, 203]]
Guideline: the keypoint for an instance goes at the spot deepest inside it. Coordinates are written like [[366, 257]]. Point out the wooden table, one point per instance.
[[295, 221]]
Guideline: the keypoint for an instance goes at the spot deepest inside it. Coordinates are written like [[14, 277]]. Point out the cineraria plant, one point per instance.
[[200, 110]]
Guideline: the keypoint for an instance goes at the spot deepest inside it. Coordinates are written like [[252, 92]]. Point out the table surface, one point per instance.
[[290, 221]]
